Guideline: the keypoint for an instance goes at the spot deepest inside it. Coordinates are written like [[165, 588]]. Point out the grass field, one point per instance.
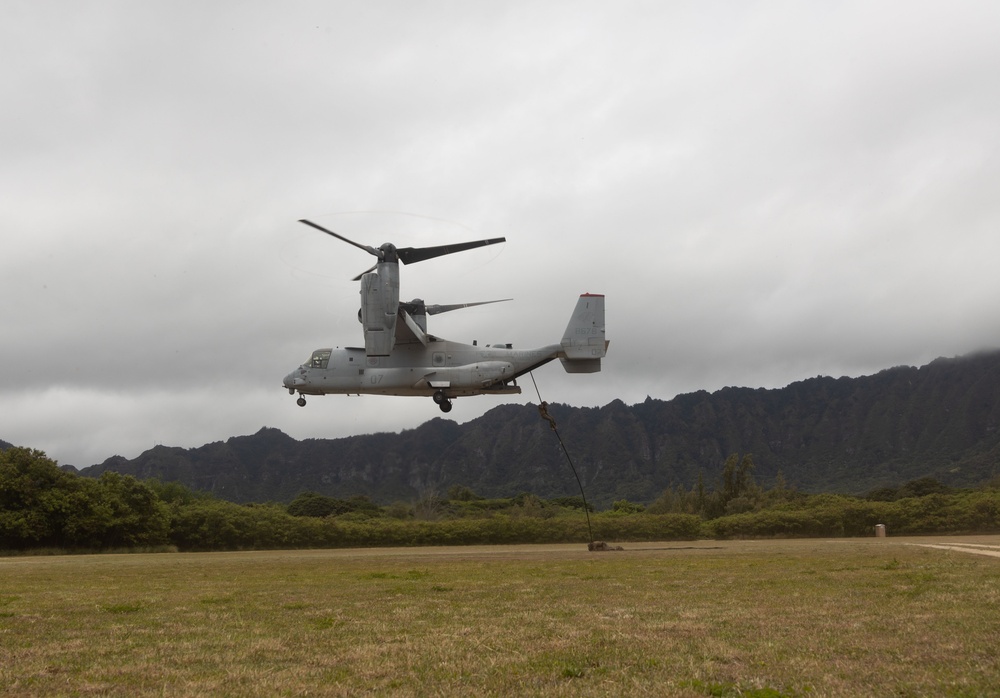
[[778, 618]]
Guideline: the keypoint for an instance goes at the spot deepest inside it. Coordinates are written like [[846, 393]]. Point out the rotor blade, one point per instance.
[[436, 309], [414, 327], [366, 248], [370, 269], [410, 255]]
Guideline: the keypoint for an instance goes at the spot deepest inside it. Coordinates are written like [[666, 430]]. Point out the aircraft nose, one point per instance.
[[294, 380]]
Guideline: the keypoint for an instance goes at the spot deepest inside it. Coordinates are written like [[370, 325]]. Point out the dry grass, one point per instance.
[[839, 618]]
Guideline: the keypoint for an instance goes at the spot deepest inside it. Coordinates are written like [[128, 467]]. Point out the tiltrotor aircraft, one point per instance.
[[401, 358]]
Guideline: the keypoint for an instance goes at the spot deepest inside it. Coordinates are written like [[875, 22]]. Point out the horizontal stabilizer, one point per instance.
[[581, 365]]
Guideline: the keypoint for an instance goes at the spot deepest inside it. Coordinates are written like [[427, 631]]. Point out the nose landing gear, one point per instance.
[[301, 402]]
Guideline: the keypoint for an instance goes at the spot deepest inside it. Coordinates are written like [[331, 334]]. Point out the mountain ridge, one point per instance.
[[844, 434]]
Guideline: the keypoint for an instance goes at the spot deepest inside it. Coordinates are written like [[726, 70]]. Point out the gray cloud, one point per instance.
[[765, 192]]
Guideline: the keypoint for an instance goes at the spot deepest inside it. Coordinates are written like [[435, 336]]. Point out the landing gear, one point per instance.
[[442, 400], [301, 402]]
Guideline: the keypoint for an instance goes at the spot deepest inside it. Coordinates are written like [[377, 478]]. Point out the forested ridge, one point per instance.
[[45, 508], [843, 435], [915, 449]]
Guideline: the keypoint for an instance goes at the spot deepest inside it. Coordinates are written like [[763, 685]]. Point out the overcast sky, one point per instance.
[[765, 192]]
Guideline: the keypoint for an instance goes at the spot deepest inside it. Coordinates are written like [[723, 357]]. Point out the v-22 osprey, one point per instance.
[[400, 357]]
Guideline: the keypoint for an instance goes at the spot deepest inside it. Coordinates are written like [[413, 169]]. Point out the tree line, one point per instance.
[[43, 507]]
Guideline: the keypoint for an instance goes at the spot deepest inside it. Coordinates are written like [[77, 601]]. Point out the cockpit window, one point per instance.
[[319, 359]]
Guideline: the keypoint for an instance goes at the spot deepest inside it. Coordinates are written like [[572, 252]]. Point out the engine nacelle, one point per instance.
[[379, 302]]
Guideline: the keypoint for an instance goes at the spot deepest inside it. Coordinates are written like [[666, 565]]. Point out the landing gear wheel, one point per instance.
[[445, 406], [301, 402], [439, 397]]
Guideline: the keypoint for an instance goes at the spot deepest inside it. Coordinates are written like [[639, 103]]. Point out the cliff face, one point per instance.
[[845, 435]]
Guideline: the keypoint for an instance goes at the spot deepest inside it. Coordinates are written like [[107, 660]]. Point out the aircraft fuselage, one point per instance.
[[441, 367], [422, 364]]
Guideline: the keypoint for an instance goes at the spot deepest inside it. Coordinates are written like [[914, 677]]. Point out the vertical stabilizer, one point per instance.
[[584, 342]]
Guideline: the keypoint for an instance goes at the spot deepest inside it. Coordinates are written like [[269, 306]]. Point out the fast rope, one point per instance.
[[543, 410]]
